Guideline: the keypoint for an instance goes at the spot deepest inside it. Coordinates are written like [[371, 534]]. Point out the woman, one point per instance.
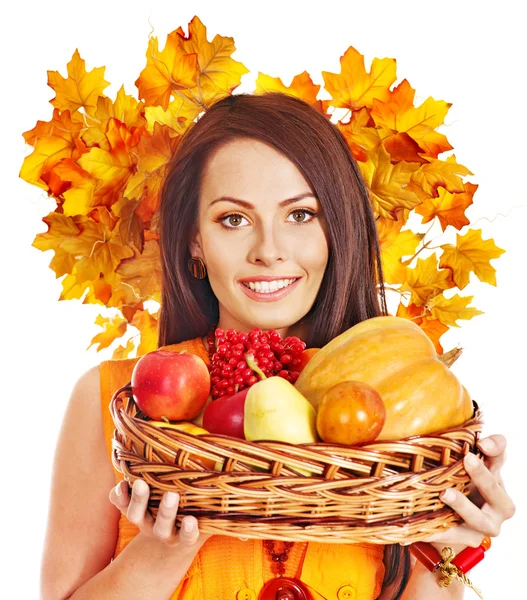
[[261, 188]]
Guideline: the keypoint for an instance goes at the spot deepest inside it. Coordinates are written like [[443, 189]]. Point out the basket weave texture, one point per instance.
[[382, 492]]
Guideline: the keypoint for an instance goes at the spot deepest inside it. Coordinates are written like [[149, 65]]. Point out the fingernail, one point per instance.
[[188, 525], [487, 445], [471, 460], [118, 489], [140, 487], [448, 495], [171, 499]]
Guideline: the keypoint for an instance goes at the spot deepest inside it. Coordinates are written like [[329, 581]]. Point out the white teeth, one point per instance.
[[267, 287]]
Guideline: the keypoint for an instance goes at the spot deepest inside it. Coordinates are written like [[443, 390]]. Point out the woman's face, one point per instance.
[[259, 234]]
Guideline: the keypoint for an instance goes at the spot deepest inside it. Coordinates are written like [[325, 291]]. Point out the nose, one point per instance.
[[268, 246]]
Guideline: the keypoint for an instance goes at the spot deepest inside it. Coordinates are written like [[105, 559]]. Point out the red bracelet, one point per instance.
[[450, 564]]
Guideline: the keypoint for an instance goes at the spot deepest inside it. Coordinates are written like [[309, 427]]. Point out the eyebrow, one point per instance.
[[248, 205]]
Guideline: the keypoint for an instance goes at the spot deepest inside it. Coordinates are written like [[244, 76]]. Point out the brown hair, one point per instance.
[[352, 288]]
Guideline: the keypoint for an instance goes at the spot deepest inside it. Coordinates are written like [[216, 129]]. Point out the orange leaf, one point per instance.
[[52, 141], [434, 329], [148, 328], [395, 244], [438, 173], [114, 328], [123, 351], [80, 88], [354, 86], [470, 254], [400, 115], [143, 272], [448, 208], [302, 87]]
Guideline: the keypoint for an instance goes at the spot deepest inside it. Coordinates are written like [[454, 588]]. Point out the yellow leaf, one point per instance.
[[302, 87], [354, 86], [421, 316], [388, 183], [124, 352], [436, 173], [448, 208], [449, 310], [470, 254], [394, 245], [143, 271], [52, 142], [114, 328], [148, 327], [80, 88], [399, 114], [425, 281], [178, 116]]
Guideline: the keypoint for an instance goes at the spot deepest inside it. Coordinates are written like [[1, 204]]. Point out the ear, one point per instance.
[[194, 245]]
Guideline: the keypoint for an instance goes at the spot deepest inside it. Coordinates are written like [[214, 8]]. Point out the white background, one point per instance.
[[465, 53]]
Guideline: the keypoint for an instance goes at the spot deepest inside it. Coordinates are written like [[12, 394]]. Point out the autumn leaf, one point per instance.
[[124, 351], [449, 310], [387, 183], [178, 116], [399, 114], [436, 173], [354, 86], [143, 271], [448, 208], [80, 88], [471, 254], [114, 328], [394, 245], [424, 281], [148, 328], [421, 316], [52, 142]]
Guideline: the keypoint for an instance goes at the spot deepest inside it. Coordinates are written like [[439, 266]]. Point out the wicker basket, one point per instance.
[[381, 492]]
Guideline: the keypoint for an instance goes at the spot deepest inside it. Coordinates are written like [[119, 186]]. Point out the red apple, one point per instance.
[[225, 415], [168, 384]]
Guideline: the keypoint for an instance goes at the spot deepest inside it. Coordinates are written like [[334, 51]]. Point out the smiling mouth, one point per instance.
[[268, 287]]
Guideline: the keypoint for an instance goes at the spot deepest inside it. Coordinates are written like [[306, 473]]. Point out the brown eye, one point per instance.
[[234, 220], [300, 215]]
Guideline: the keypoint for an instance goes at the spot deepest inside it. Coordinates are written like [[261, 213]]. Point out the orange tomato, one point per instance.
[[351, 412], [306, 356], [187, 427]]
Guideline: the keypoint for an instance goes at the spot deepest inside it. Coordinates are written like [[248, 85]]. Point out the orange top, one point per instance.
[[228, 568]]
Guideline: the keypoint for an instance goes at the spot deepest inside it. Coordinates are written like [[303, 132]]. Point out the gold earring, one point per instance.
[[197, 267]]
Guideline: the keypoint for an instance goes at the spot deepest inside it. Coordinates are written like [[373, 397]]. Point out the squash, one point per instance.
[[396, 358]]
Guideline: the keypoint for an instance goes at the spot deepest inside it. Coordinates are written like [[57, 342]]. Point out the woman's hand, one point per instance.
[[163, 526], [487, 506]]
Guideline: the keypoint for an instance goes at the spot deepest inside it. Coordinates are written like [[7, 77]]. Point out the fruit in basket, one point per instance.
[[276, 410], [274, 355], [225, 415], [351, 412], [169, 384], [305, 357], [187, 427], [396, 358]]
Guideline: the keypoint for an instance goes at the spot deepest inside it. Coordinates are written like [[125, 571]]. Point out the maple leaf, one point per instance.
[[148, 328], [114, 328], [79, 196], [394, 245], [60, 227], [111, 168], [302, 87], [449, 310], [399, 114], [388, 183], [448, 208], [178, 116], [424, 281], [436, 173], [470, 254], [143, 271], [52, 142], [420, 315], [123, 351], [80, 88], [154, 152], [354, 86]]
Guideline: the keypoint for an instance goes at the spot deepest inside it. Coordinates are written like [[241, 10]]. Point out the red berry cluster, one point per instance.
[[228, 368]]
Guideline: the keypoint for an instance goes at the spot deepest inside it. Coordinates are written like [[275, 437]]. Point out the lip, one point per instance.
[[271, 296], [268, 278]]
